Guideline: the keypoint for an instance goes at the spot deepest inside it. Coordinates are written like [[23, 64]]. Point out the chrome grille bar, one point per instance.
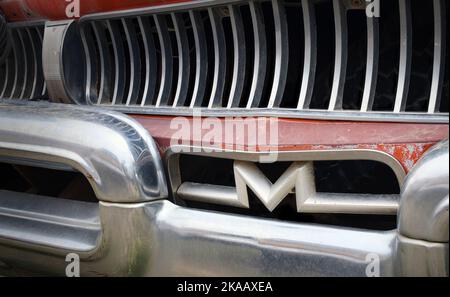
[[237, 84], [260, 60], [438, 55], [201, 63], [184, 66], [405, 56], [310, 59], [226, 56], [340, 59]]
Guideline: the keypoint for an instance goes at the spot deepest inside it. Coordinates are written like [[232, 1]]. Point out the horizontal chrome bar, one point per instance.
[[320, 203], [438, 118], [165, 8], [117, 155], [36, 221], [162, 239]]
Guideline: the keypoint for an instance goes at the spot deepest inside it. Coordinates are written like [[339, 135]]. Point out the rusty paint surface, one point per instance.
[[25, 10], [406, 142]]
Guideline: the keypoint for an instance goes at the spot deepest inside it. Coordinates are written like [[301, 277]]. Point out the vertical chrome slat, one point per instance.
[[135, 61], [438, 56], [41, 71], [260, 57], [340, 60], [105, 73], [166, 61], [4, 83], [25, 63], [184, 65], [237, 83], [119, 62], [220, 57], [404, 71], [91, 70], [151, 66], [18, 74], [310, 55], [28, 79], [201, 60], [370, 82], [281, 54], [34, 44]]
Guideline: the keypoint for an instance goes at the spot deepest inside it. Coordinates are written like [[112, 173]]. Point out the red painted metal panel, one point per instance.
[[404, 141], [21, 10]]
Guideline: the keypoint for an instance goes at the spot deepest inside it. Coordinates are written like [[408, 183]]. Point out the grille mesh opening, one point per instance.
[[346, 177], [46, 182], [278, 55]]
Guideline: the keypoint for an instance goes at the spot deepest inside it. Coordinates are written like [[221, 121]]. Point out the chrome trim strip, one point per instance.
[[184, 65], [119, 62], [340, 60], [164, 8], [201, 61], [106, 72], [91, 71], [36, 65], [370, 83], [281, 54], [25, 86], [15, 50], [440, 45], [117, 155], [239, 56], [166, 61], [404, 72], [220, 57], [50, 223], [311, 114], [260, 56], [151, 64], [135, 62], [41, 40], [310, 55]]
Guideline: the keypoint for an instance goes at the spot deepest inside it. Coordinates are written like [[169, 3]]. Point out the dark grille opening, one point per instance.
[[294, 19], [356, 67], [325, 55], [21, 74], [389, 56], [422, 56], [269, 27], [46, 182], [249, 53], [346, 177]]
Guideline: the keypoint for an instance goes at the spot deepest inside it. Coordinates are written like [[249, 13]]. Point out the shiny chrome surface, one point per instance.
[[423, 214], [49, 223], [299, 179], [220, 62], [117, 155], [21, 74], [61, 56], [162, 239]]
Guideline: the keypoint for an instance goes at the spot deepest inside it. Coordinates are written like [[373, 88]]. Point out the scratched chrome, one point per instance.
[[116, 154]]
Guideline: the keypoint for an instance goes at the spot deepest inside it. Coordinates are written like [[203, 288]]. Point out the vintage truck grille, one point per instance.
[[296, 56], [21, 75]]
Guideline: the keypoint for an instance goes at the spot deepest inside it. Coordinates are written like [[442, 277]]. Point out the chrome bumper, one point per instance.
[[129, 235]]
